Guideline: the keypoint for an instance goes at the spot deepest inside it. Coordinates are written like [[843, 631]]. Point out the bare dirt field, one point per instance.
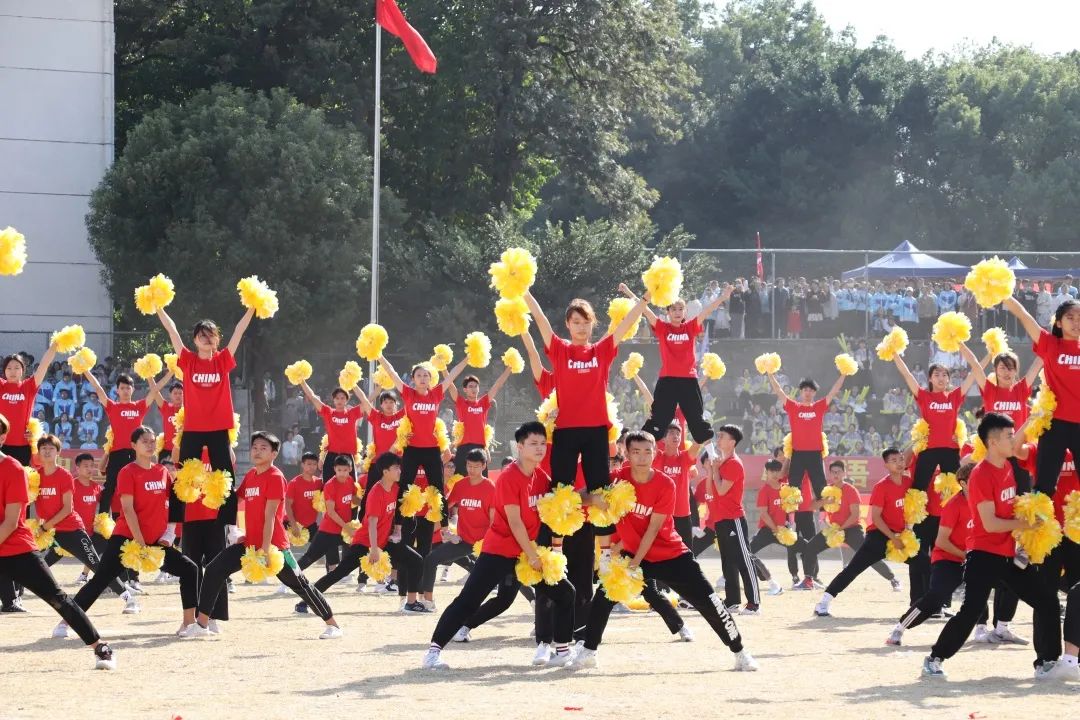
[[270, 664]]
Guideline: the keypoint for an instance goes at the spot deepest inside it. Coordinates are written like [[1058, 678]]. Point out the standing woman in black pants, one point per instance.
[[17, 401]]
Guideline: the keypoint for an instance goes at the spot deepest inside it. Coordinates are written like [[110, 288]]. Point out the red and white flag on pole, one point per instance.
[[760, 264], [389, 16]]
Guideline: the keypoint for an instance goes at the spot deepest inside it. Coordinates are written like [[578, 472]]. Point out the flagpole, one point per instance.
[[376, 169]]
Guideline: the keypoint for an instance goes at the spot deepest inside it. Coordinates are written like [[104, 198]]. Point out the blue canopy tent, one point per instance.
[[905, 261], [1023, 272]]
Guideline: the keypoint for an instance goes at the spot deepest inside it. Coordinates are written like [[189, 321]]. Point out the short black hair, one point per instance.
[[176, 386], [733, 431], [469, 379], [477, 455], [889, 452], [343, 461], [507, 461], [382, 463], [1056, 330], [837, 464], [138, 432], [992, 422], [774, 466], [533, 427], [125, 379], [964, 472], [386, 395], [808, 383], [205, 326], [309, 456], [639, 436], [268, 436], [83, 457], [339, 391], [673, 426]]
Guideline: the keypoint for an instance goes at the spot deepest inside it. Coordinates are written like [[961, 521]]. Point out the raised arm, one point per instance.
[[312, 398], [43, 365], [398, 385], [641, 305], [1031, 325], [498, 384], [909, 379], [238, 331], [779, 391], [644, 390], [102, 395], [709, 309], [1033, 371], [451, 376], [365, 402], [834, 390], [976, 373], [153, 395], [542, 323], [170, 328], [535, 363]]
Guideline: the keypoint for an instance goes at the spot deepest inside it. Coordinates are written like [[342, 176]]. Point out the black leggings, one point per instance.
[[947, 460], [580, 552], [672, 392], [807, 530], [445, 553], [854, 539], [945, 577], [1062, 435], [202, 541], [919, 566], [322, 544], [1072, 616], [228, 561], [684, 576], [807, 462], [79, 544], [30, 571], [872, 551], [588, 443], [19, 452], [109, 569], [403, 558], [217, 445], [763, 539], [118, 459]]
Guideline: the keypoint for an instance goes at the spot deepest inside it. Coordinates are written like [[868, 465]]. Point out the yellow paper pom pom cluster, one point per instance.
[[514, 274], [155, 295], [448, 486], [298, 536], [915, 506], [36, 431], [141, 558], [910, 549], [767, 363], [787, 443], [830, 496], [442, 356], [995, 341], [512, 316], [477, 349], [82, 361], [412, 501], [318, 502], [256, 295], [104, 525], [12, 251], [377, 571], [978, 450], [217, 488], [434, 502], [382, 378], [834, 535], [348, 530], [1038, 541], [990, 281], [619, 497], [951, 329], [960, 433], [785, 535], [553, 568], [632, 365], [790, 498], [442, 437], [170, 362], [712, 366], [351, 375], [371, 342], [298, 371], [545, 411], [43, 539], [920, 435], [893, 344], [478, 547], [618, 309], [620, 583], [663, 280], [149, 366], [513, 360], [560, 510], [1072, 516], [846, 364], [258, 566], [789, 449], [404, 431], [68, 338], [459, 432], [107, 446], [947, 486], [1042, 413], [190, 478], [33, 483]]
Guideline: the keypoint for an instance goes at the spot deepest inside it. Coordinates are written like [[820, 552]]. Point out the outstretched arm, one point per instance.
[[153, 395], [535, 363], [170, 328], [977, 375], [834, 390], [452, 376], [542, 323], [909, 379], [1031, 325], [644, 390], [238, 331], [365, 403], [627, 322], [104, 396], [777, 390], [312, 398], [398, 384], [1033, 371], [498, 384], [43, 365]]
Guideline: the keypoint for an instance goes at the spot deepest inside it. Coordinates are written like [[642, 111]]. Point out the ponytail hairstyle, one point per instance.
[[934, 367]]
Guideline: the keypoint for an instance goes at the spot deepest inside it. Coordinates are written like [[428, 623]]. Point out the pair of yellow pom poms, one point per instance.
[[995, 341], [377, 571], [950, 330], [1039, 540], [256, 295], [834, 535], [512, 316], [632, 365], [560, 510], [553, 568], [618, 309], [785, 535], [154, 295], [12, 251], [442, 356], [846, 364], [620, 498], [68, 338], [947, 486], [830, 496], [910, 547], [1072, 516], [712, 366], [299, 536], [513, 360], [790, 498], [767, 363], [920, 435], [991, 282], [258, 566], [149, 366], [789, 450], [477, 349], [351, 375], [371, 342], [33, 483], [43, 539], [514, 274], [915, 506], [663, 280], [141, 558], [893, 344], [83, 361], [348, 530], [298, 371], [104, 525], [620, 583]]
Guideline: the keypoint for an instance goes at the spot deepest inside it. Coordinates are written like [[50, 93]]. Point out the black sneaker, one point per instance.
[[300, 608], [391, 586], [103, 657], [14, 607], [415, 608]]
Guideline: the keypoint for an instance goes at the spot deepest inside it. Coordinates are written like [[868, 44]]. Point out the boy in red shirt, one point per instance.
[[727, 478], [471, 410], [300, 511], [87, 491], [770, 518], [339, 423], [339, 497], [647, 535], [886, 524]]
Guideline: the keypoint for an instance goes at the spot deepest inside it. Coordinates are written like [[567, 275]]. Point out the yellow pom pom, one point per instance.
[[459, 432], [995, 341], [148, 366], [448, 486], [790, 498], [318, 502], [620, 498], [620, 583], [554, 565], [618, 309], [36, 431], [893, 344], [824, 445], [477, 349], [434, 501], [377, 571], [978, 450], [920, 435], [442, 437], [156, 294], [178, 420], [257, 295], [1038, 541], [350, 375], [767, 363], [915, 506], [141, 558], [512, 315], [299, 536], [371, 342], [104, 525], [544, 412], [83, 361], [1072, 516], [12, 251], [513, 360], [234, 432], [478, 547], [217, 488], [830, 496], [190, 479], [961, 433], [632, 365], [1042, 413], [298, 371], [170, 362], [404, 431], [951, 329], [785, 536], [834, 535], [663, 280], [43, 539], [991, 281], [788, 451], [257, 566], [348, 530], [489, 435], [382, 378], [910, 549], [444, 354], [846, 364], [412, 501], [947, 486], [560, 510], [107, 447], [68, 338], [33, 483], [712, 366], [525, 573], [514, 274]]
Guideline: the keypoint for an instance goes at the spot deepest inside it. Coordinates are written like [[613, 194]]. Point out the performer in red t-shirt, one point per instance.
[[771, 517], [471, 410], [384, 415], [727, 480], [300, 509], [339, 423], [168, 409], [17, 394], [807, 418]]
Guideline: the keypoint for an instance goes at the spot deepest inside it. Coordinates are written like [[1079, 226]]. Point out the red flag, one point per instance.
[[760, 265], [389, 16]]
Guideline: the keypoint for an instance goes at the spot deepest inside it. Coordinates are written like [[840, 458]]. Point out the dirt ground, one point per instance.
[[270, 664]]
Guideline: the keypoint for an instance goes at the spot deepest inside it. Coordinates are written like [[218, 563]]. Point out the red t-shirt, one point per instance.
[[768, 500], [1067, 482], [381, 504], [677, 467], [889, 496], [473, 414], [50, 499], [545, 384], [124, 418], [208, 404], [655, 496], [474, 508], [729, 505], [515, 488], [1061, 367], [997, 485], [384, 429], [956, 515], [85, 502], [341, 494], [940, 411], [677, 356], [13, 489], [581, 375], [256, 490], [422, 411], [849, 496], [16, 404], [341, 429], [301, 492], [168, 410], [806, 424], [149, 487], [1012, 402]]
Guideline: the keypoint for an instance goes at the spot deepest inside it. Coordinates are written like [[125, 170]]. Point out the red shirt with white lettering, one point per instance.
[[677, 467], [581, 379], [123, 419], [988, 483], [384, 429], [655, 496], [474, 508], [849, 497], [302, 492], [341, 428], [768, 503], [545, 384], [1012, 402], [257, 489], [806, 424], [50, 499], [677, 356], [956, 515], [149, 489], [422, 411], [14, 490], [940, 411], [85, 502], [1061, 368], [889, 496], [514, 487], [168, 410], [208, 404], [473, 414], [341, 495], [729, 505], [381, 504], [1067, 483], [16, 404]]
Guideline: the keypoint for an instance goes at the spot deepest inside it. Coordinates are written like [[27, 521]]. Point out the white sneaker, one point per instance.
[[82, 579], [61, 631], [104, 658], [686, 634], [585, 658], [434, 661], [1006, 635], [429, 604], [605, 561], [931, 668], [332, 632], [1046, 670], [721, 583], [558, 659], [543, 654], [774, 588], [361, 588], [194, 630], [282, 589], [444, 576], [379, 589], [895, 638], [822, 610], [213, 627], [985, 635], [131, 606], [462, 635], [1064, 672], [745, 662]]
